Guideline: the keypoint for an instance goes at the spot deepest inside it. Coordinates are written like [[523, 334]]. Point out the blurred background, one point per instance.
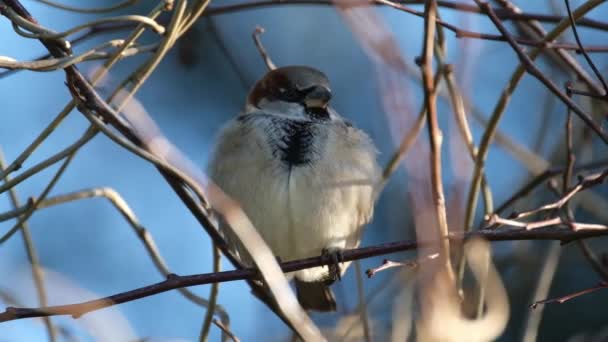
[[88, 250]]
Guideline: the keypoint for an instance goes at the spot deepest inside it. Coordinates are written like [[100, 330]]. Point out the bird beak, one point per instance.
[[317, 97]]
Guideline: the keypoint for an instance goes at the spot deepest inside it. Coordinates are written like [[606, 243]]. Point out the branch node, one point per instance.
[[448, 68], [172, 276], [169, 5]]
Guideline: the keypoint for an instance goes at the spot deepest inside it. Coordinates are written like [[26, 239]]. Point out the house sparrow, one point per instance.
[[305, 177]]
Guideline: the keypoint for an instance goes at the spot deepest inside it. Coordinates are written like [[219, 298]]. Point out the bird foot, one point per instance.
[[333, 256]]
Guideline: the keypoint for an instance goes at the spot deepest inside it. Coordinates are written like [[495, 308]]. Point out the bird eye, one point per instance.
[[288, 95]]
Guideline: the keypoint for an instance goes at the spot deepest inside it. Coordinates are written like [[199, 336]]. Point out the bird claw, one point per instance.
[[333, 256]]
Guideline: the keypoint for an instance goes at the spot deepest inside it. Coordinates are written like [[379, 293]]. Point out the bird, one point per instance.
[[305, 177]]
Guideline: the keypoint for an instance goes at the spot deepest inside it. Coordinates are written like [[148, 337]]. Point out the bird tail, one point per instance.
[[315, 296]]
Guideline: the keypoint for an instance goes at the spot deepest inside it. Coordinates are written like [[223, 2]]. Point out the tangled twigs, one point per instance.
[[503, 14], [533, 70], [495, 220], [542, 178], [94, 107], [583, 50], [560, 228], [584, 183]]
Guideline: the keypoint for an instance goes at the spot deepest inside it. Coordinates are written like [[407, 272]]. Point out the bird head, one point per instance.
[[298, 87]]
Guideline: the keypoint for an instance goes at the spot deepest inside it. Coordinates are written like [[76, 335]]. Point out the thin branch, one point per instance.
[[97, 10], [406, 143], [563, 299], [18, 162], [96, 27], [258, 44], [593, 260], [496, 220], [570, 163], [532, 162], [461, 33], [212, 297], [40, 198], [362, 302], [573, 90], [561, 233], [123, 208], [226, 330], [435, 135], [90, 133], [540, 179], [534, 29], [96, 53], [460, 115], [408, 140], [542, 289], [84, 36], [32, 255], [533, 70], [36, 31], [459, 6], [372, 295], [583, 49], [501, 105], [387, 264], [584, 227], [584, 183], [97, 76], [90, 101]]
